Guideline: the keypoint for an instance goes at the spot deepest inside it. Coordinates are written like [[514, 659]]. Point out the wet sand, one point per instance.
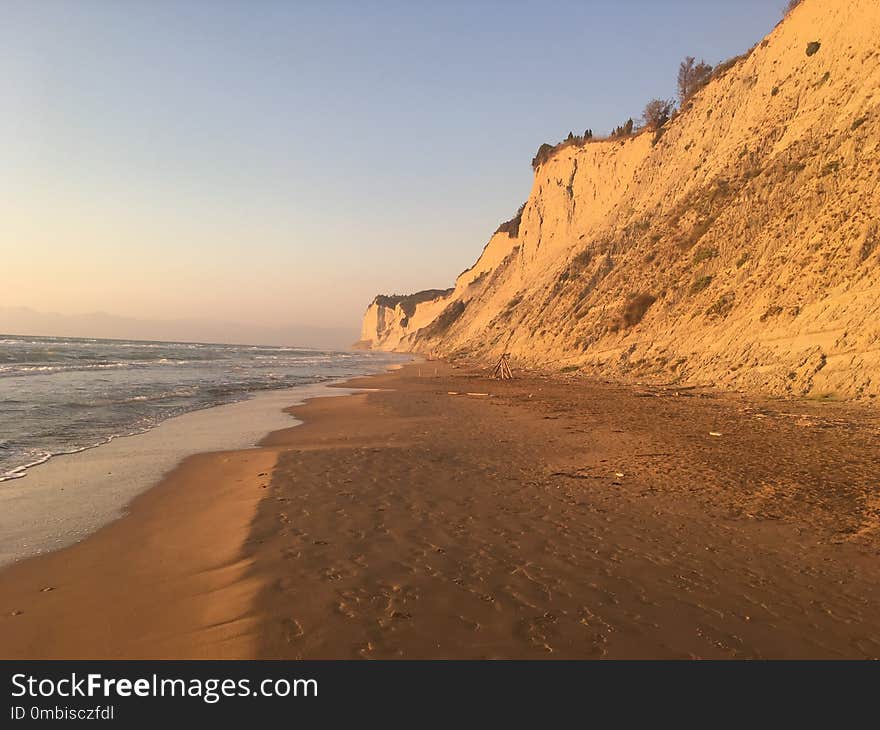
[[167, 580], [548, 518], [69, 497]]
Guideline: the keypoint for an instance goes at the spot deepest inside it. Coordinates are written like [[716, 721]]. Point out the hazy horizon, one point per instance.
[[277, 166], [24, 321]]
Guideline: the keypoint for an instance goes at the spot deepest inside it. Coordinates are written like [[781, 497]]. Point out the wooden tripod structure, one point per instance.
[[502, 369]]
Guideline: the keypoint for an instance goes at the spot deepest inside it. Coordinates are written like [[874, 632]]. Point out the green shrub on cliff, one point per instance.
[[704, 253], [700, 284], [722, 306], [511, 227], [545, 152], [408, 302], [624, 130]]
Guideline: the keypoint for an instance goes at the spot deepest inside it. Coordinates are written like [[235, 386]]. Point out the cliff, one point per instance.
[[391, 318], [739, 247]]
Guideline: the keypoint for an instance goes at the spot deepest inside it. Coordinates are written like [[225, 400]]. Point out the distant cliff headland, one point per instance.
[[731, 239]]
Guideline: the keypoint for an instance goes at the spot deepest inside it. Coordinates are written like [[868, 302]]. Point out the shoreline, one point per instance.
[[69, 496], [163, 547], [451, 516]]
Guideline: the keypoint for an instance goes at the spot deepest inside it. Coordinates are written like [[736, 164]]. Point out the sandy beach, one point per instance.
[[446, 515]]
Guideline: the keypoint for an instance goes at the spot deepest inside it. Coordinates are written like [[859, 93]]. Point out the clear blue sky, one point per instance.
[[251, 160]]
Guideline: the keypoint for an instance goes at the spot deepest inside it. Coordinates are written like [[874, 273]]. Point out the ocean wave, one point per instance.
[[164, 395], [13, 370], [92, 402], [19, 471], [31, 368]]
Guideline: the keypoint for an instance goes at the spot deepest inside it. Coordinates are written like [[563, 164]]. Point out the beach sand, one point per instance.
[[445, 515]]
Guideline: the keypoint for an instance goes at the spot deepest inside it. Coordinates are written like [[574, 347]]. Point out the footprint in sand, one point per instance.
[[332, 574], [293, 630], [344, 608], [537, 630]]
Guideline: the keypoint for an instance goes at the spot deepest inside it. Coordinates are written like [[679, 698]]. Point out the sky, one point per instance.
[[278, 163]]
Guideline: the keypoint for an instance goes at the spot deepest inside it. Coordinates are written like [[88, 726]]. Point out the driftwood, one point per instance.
[[502, 369]]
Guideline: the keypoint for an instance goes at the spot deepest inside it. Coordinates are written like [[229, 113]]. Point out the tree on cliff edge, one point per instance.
[[657, 113], [692, 76]]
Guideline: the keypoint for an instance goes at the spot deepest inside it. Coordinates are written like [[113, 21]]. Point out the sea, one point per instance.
[[61, 395]]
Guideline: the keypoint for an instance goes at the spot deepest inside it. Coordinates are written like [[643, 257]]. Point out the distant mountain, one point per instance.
[[25, 321]]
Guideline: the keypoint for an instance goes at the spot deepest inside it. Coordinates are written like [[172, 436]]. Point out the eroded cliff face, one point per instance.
[[390, 319], [741, 249]]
